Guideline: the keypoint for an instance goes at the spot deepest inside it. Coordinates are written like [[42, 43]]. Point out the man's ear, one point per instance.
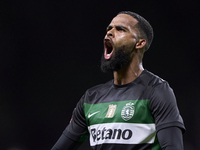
[[140, 44]]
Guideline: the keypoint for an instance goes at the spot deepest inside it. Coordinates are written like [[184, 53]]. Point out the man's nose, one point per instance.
[[110, 33]]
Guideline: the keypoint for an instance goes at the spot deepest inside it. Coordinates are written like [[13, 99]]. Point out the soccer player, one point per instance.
[[136, 110]]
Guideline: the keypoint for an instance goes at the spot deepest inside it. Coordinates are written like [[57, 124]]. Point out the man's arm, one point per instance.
[[170, 138], [72, 137], [64, 143], [169, 123]]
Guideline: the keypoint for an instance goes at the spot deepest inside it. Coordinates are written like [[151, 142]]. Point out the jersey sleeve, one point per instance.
[[164, 107], [171, 138], [77, 127]]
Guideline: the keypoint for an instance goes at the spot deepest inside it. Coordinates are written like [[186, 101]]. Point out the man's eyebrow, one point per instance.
[[109, 27], [122, 27], [117, 26]]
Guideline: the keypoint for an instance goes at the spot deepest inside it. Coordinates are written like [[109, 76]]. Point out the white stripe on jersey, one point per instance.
[[122, 133]]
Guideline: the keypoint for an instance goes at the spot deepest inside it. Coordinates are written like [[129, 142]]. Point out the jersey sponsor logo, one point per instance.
[[111, 111], [90, 115], [128, 111], [110, 134], [121, 133]]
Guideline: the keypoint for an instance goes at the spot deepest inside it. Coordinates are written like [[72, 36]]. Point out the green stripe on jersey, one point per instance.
[[129, 111]]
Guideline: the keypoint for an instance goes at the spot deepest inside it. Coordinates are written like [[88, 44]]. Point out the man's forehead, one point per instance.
[[124, 19]]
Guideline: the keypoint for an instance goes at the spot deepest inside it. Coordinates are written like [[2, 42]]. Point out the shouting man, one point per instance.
[[136, 110]]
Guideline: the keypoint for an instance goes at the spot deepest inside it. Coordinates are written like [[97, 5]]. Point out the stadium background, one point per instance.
[[50, 54]]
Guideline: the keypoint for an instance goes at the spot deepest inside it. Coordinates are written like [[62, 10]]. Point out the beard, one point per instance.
[[117, 61]]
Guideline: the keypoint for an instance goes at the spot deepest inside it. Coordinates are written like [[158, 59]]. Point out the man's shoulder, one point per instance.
[[150, 79], [101, 87]]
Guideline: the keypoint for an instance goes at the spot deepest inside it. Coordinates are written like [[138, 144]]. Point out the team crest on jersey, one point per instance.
[[128, 111], [111, 111]]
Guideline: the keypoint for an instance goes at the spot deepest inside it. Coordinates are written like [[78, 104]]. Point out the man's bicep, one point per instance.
[[64, 143], [164, 108], [74, 131], [170, 138], [77, 126]]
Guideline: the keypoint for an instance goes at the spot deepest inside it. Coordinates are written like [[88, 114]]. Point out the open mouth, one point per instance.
[[108, 49]]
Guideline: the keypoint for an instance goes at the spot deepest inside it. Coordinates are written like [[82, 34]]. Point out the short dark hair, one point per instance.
[[144, 27]]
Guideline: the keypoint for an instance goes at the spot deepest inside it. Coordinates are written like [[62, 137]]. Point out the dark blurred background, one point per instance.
[[50, 55]]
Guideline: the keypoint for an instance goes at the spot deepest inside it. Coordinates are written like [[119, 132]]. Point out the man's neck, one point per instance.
[[128, 73]]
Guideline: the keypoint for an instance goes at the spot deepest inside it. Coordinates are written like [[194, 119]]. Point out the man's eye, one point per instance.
[[120, 29]]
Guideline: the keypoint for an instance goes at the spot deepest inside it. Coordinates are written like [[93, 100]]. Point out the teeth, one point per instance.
[[108, 55]]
